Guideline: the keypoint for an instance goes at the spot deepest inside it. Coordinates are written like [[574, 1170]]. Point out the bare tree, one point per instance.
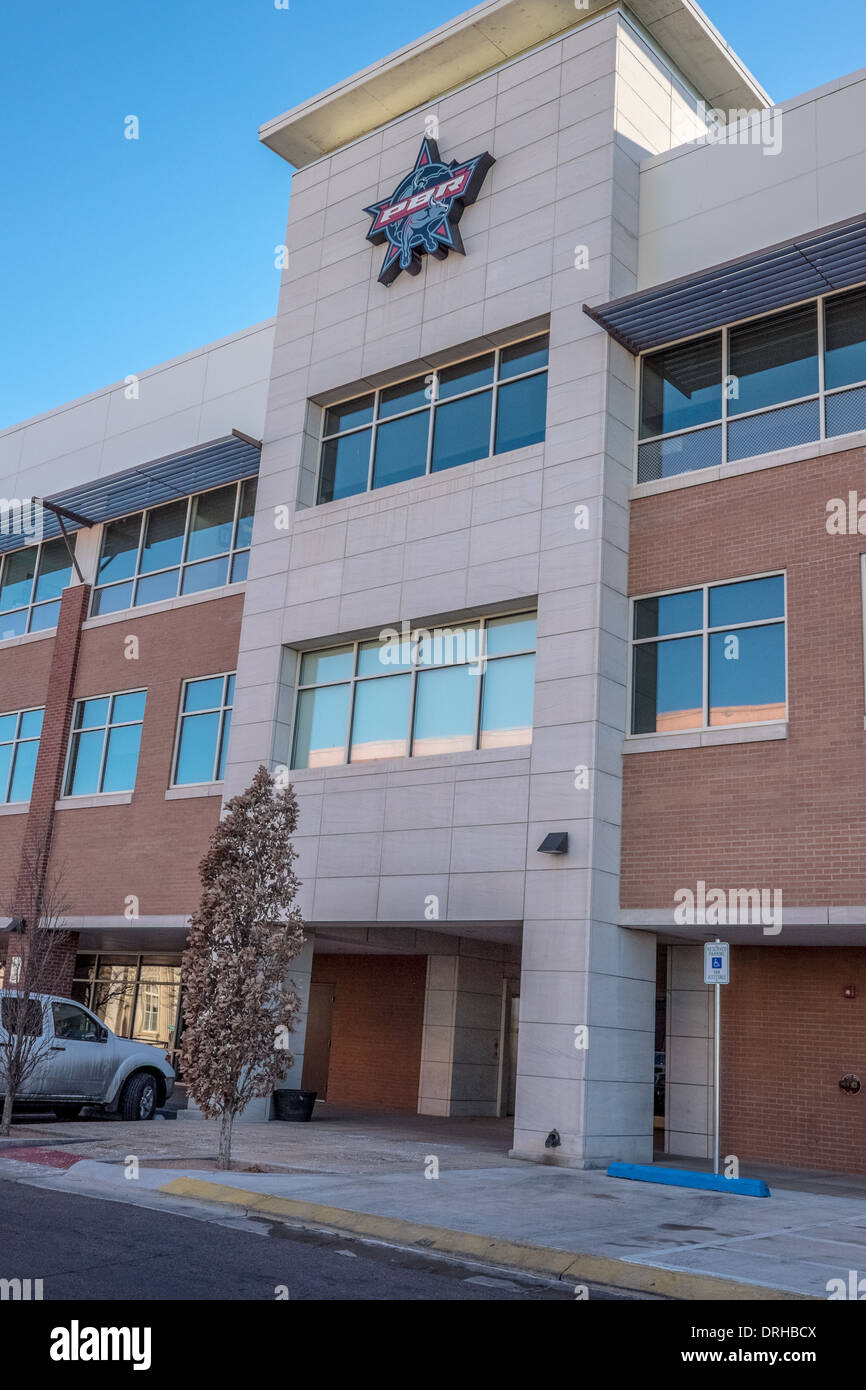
[[38, 950], [239, 1004]]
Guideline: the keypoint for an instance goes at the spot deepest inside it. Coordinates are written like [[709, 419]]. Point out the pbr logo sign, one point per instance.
[[423, 211]]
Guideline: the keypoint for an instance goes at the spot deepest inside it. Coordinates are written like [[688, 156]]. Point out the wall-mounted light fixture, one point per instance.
[[554, 843]]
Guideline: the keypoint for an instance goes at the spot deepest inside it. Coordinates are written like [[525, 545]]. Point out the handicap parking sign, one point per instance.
[[717, 966]]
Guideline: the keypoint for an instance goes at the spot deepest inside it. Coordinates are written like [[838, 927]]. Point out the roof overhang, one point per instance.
[[147, 485], [115, 934], [799, 926], [779, 276], [485, 38]]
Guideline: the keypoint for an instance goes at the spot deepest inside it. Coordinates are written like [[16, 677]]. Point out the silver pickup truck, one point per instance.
[[81, 1062]]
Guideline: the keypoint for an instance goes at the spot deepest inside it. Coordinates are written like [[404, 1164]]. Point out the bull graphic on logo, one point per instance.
[[423, 212]]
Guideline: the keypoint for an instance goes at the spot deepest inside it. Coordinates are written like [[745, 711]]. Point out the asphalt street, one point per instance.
[[90, 1249]]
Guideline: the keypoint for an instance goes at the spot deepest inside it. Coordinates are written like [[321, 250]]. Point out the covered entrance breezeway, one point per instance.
[[413, 1021]]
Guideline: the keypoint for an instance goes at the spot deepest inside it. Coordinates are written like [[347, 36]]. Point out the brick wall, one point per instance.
[[38, 892], [787, 814], [24, 680], [150, 848], [376, 1028], [788, 1037]]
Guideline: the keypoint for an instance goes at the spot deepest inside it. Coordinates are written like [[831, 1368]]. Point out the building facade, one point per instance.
[[540, 579], [115, 660]]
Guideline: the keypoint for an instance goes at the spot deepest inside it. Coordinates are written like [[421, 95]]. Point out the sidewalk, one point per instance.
[[576, 1225]]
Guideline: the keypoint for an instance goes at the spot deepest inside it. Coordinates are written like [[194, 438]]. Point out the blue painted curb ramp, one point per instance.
[[683, 1177]]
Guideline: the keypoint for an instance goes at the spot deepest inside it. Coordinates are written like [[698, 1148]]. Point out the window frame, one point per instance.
[[31, 605], [354, 680], [183, 564], [15, 742], [726, 419], [705, 633], [430, 407], [223, 709], [109, 724]]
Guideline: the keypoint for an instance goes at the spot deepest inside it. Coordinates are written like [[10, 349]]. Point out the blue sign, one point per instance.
[[422, 214]]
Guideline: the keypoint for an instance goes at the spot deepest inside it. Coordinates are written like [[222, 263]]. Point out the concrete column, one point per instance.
[[689, 1084], [462, 1039], [581, 970]]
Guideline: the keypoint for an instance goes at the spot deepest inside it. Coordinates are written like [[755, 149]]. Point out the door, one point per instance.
[[36, 1051], [317, 1046], [82, 1060]]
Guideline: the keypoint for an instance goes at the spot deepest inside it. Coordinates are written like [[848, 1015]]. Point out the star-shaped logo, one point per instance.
[[423, 211]]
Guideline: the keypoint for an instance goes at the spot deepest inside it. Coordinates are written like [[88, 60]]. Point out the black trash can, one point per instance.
[[294, 1105]]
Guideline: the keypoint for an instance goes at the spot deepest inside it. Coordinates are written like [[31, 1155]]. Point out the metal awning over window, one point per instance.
[[164, 480], [793, 271]]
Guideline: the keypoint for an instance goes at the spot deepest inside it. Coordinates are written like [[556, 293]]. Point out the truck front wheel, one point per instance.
[[139, 1098]]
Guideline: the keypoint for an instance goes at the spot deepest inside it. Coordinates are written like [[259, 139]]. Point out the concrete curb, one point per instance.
[[7, 1145], [566, 1265]]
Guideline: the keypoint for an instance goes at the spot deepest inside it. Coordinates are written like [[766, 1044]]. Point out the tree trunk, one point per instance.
[[6, 1122], [225, 1150]]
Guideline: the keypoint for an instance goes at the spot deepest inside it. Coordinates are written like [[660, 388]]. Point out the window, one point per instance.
[[106, 734], [444, 691], [203, 735], [148, 1003], [11, 1011], [712, 657], [754, 388], [31, 582], [770, 362], [74, 1024], [472, 410], [184, 547], [133, 998], [19, 746]]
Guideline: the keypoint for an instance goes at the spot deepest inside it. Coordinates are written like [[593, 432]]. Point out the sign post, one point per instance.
[[717, 971]]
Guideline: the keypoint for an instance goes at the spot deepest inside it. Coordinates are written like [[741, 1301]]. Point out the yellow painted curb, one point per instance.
[[566, 1265]]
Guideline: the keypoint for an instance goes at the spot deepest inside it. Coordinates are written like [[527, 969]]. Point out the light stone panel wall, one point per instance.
[[463, 1040], [180, 404], [711, 202], [378, 841], [689, 1081]]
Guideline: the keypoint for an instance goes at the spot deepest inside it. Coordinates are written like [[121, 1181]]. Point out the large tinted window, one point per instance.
[[446, 691], [845, 339], [401, 449], [698, 412], [106, 735], [183, 547], [682, 387], [31, 582], [462, 432], [205, 722], [709, 657], [493, 403], [19, 749], [773, 360]]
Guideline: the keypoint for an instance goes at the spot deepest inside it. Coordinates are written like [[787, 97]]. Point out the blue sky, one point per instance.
[[117, 254]]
